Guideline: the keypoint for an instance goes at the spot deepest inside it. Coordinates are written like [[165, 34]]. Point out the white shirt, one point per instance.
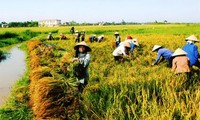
[[119, 51]]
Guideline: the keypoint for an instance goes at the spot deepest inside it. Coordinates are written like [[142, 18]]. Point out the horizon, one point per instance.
[[150, 22]]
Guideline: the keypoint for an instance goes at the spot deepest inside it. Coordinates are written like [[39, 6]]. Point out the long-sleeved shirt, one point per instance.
[[100, 38], [119, 51], [192, 53], [165, 53], [118, 39], [180, 64], [84, 60]]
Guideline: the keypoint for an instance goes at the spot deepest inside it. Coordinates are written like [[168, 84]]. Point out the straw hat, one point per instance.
[[179, 51], [155, 47], [192, 38], [116, 33], [83, 43], [50, 33], [127, 44], [76, 31], [135, 42]]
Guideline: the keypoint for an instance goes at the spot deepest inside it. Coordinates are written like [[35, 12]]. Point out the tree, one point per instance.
[[123, 22], [73, 23]]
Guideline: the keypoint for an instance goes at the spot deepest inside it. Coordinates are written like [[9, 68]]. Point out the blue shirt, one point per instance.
[[132, 47], [92, 37], [192, 53], [165, 53]]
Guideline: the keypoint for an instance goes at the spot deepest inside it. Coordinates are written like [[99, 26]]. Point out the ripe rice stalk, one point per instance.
[[31, 45], [34, 62], [52, 100], [40, 72]]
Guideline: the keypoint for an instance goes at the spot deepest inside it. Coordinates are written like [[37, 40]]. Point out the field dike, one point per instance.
[[52, 96]]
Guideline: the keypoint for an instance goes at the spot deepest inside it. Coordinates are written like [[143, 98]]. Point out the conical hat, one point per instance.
[[83, 43], [135, 42], [179, 51], [155, 47], [116, 33], [192, 38]]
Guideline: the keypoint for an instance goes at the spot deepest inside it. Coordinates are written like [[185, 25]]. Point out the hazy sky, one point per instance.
[[101, 10]]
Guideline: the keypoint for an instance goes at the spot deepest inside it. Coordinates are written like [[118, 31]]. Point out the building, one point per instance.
[[49, 23], [4, 25]]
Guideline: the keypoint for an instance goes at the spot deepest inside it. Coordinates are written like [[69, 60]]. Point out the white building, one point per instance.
[[4, 25], [49, 23]]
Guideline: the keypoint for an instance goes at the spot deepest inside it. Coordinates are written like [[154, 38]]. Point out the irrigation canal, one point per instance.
[[11, 69]]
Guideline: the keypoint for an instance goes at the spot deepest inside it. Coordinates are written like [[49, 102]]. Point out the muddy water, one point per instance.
[[11, 70]]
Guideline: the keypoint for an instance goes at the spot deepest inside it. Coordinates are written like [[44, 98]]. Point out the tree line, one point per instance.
[[20, 24]]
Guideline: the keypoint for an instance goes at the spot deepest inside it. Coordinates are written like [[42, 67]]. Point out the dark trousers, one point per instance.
[[118, 58], [77, 40], [117, 44], [170, 62]]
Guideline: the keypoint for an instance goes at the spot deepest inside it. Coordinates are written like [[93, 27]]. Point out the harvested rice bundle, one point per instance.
[[31, 45], [66, 58], [54, 100], [65, 62], [34, 62], [39, 73], [35, 75]]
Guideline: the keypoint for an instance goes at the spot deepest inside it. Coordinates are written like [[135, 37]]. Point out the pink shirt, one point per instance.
[[180, 64]]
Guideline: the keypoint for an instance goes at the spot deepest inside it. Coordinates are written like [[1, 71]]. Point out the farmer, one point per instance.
[[181, 65], [122, 51], [77, 36], [72, 30], [192, 51], [131, 40], [100, 38], [92, 38], [83, 35], [117, 39], [62, 37], [164, 53], [50, 37], [180, 62], [81, 69]]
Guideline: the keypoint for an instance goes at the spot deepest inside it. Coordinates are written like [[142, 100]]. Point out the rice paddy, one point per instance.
[[130, 90]]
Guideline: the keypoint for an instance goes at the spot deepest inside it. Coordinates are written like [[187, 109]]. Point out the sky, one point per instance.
[[184, 11]]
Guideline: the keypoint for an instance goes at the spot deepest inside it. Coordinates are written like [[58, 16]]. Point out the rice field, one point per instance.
[[130, 90]]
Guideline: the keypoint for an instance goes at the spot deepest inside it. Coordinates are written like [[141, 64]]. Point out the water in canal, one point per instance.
[[11, 69]]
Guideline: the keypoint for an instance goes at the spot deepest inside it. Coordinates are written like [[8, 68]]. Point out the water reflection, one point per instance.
[[11, 70], [3, 55]]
